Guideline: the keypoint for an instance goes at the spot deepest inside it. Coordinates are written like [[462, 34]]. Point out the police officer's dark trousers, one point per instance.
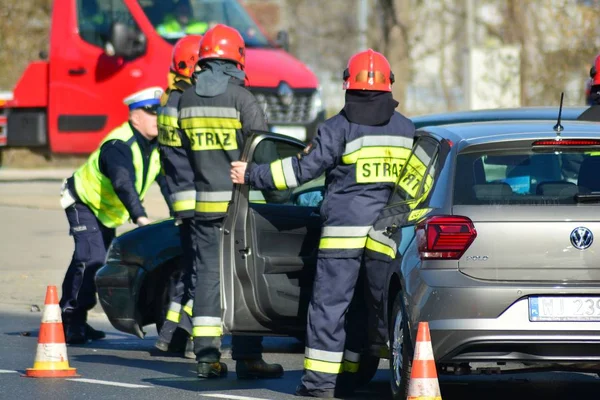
[[206, 315], [328, 354], [182, 288], [92, 240]]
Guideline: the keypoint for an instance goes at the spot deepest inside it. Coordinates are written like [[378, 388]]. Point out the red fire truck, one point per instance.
[[102, 50]]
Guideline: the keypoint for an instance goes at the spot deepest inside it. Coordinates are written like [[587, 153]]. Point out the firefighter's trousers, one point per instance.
[[329, 352], [181, 288], [206, 314], [92, 240]]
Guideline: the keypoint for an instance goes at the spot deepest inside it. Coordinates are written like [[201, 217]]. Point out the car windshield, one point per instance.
[[174, 19], [526, 177]]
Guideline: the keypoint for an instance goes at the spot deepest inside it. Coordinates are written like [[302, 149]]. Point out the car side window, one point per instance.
[[417, 176], [309, 194], [94, 19]]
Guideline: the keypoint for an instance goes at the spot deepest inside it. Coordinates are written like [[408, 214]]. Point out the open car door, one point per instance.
[[269, 250]]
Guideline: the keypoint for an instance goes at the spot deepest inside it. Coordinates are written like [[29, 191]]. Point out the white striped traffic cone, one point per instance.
[[423, 383], [51, 356]]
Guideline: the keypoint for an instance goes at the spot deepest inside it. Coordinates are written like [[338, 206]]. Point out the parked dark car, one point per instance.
[[269, 250]]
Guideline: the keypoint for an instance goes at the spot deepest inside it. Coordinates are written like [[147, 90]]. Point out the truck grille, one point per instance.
[[277, 112]]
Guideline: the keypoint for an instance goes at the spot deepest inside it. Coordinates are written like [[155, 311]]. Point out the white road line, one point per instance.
[[7, 371], [231, 396], [109, 383]]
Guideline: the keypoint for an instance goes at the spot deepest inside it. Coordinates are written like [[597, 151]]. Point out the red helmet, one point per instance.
[[368, 70], [223, 43], [594, 71], [185, 55]]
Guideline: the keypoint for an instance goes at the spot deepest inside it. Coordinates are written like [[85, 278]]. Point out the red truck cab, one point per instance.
[[103, 50]]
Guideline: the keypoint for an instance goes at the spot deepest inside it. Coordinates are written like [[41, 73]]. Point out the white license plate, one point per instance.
[[298, 132], [564, 308]]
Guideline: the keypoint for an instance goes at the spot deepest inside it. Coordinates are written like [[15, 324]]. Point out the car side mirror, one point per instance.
[[125, 41], [283, 40]]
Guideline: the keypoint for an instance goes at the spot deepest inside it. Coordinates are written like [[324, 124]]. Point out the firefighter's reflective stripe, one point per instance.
[[167, 127], [206, 326], [323, 361], [213, 202], [283, 174], [344, 237], [256, 196], [377, 158], [351, 361], [184, 200], [188, 307], [418, 214], [214, 112], [211, 128], [377, 241], [174, 313], [414, 173], [376, 147]]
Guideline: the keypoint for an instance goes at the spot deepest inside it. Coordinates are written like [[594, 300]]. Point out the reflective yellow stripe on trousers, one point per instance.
[[206, 326], [173, 314], [329, 362], [344, 237], [351, 361], [213, 202]]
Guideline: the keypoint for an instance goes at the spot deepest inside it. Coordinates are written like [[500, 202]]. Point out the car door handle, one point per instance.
[[77, 71]]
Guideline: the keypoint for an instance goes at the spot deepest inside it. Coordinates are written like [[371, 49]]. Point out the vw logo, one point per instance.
[[285, 93], [582, 238]]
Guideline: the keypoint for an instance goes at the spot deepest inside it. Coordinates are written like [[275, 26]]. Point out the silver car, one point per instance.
[[495, 224]]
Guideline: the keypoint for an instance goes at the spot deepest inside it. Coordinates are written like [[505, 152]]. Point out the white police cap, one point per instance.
[[144, 98]]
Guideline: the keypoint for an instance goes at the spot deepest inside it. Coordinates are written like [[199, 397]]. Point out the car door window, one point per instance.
[[417, 176], [95, 18], [309, 194]]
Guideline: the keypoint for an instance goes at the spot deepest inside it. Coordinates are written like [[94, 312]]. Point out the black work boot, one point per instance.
[[211, 370], [302, 391], [75, 334], [93, 333], [257, 369]]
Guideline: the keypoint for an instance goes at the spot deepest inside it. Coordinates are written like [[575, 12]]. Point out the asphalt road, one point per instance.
[[35, 250]]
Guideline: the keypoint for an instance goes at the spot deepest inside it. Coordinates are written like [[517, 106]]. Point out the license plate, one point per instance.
[[298, 132], [564, 308]]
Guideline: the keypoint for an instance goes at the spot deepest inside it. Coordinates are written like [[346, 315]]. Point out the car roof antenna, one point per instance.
[[558, 127]]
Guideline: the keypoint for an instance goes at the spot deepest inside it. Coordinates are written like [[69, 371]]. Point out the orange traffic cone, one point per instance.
[[51, 355], [423, 383]]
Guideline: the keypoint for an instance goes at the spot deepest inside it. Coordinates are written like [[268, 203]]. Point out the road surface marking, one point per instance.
[[109, 383], [231, 396], [7, 371]]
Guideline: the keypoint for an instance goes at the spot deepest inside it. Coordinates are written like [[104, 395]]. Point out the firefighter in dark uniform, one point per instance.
[[179, 177], [102, 195], [215, 116], [361, 150]]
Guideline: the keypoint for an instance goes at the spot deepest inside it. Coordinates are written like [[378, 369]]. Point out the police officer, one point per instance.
[[179, 177], [102, 195], [361, 150], [215, 116]]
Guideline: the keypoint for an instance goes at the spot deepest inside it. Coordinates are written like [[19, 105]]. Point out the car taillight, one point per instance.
[[444, 237]]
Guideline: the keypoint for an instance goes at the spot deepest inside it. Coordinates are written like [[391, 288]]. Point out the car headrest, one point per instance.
[[557, 189], [589, 174], [493, 191]]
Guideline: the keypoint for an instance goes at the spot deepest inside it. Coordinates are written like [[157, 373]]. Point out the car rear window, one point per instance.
[[525, 177]]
